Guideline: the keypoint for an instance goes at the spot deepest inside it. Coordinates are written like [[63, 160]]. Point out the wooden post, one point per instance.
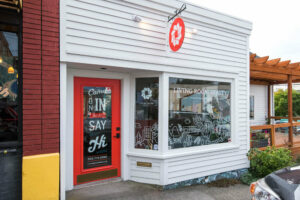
[[290, 108], [273, 136]]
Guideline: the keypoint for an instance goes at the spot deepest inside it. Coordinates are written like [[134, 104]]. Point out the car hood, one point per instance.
[[285, 182]]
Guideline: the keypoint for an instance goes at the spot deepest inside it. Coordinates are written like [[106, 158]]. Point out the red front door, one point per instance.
[[96, 129]]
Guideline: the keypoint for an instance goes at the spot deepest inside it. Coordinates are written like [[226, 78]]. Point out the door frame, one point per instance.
[[67, 75], [115, 85]]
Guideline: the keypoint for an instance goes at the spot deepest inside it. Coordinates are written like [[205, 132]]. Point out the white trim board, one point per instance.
[[67, 121]]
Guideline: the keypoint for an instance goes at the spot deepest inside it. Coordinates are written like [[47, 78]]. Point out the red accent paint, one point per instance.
[[176, 34], [79, 83]]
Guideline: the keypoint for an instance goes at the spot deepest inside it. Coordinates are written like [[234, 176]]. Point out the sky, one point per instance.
[[275, 24]]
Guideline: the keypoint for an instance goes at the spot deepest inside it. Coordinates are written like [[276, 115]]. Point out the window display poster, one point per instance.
[[146, 113], [97, 127], [199, 113]]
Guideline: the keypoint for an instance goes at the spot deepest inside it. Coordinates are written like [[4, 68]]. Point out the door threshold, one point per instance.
[[97, 183]]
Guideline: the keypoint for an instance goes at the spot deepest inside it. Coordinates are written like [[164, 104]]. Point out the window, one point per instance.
[[97, 121], [146, 113], [199, 113], [251, 107], [8, 87]]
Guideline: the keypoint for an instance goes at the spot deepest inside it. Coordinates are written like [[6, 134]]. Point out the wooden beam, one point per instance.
[[252, 56], [283, 63], [283, 125], [290, 107], [295, 78], [259, 127], [273, 62], [261, 60], [293, 65], [297, 69], [267, 76], [267, 68], [273, 69], [259, 82], [294, 118]]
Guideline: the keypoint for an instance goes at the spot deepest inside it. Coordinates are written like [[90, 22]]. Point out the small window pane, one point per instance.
[[146, 113], [8, 87], [199, 113], [251, 107]]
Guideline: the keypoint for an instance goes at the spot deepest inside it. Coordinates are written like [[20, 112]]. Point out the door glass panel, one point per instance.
[[97, 127], [8, 86]]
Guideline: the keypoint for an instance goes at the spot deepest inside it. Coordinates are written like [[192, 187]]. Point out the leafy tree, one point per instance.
[[281, 103]]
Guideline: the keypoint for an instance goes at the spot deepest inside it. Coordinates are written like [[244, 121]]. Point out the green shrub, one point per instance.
[[248, 178], [264, 162]]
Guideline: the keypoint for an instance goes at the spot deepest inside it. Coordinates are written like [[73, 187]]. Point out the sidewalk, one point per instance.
[[136, 191]]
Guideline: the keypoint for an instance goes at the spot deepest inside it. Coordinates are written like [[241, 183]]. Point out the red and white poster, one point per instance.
[[176, 34]]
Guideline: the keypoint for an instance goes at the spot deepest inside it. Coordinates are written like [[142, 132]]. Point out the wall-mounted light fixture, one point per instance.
[[136, 18], [1, 60], [10, 70]]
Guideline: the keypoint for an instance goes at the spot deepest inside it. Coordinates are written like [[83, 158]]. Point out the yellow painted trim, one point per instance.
[[41, 177], [41, 156]]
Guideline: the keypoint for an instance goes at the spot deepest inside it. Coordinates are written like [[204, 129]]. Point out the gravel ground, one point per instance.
[[136, 191]]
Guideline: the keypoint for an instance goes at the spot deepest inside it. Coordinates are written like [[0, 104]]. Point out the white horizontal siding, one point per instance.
[[101, 32], [107, 26], [260, 93], [150, 175]]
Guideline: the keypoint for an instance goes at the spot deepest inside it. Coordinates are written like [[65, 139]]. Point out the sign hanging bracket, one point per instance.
[[177, 12]]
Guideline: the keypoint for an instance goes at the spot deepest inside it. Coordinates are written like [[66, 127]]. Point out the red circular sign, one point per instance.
[[176, 34]]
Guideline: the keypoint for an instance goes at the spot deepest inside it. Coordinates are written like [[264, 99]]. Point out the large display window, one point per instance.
[[199, 112]]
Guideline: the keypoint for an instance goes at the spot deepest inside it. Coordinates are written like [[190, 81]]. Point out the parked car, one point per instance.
[[283, 184]]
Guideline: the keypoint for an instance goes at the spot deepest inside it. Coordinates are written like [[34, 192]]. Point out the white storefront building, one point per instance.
[[131, 107]]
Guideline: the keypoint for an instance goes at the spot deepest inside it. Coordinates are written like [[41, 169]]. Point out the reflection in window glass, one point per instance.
[[251, 107], [146, 113], [8, 86], [199, 113]]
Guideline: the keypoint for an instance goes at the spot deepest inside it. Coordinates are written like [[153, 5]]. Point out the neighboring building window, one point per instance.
[[199, 113], [8, 87], [146, 113], [251, 107]]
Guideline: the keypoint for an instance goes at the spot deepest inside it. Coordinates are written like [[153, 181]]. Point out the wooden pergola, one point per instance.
[[270, 72]]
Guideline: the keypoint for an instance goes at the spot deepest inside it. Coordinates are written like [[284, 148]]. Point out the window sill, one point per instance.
[[175, 153]]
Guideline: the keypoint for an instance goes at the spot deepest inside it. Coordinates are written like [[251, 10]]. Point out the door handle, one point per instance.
[[117, 135]]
